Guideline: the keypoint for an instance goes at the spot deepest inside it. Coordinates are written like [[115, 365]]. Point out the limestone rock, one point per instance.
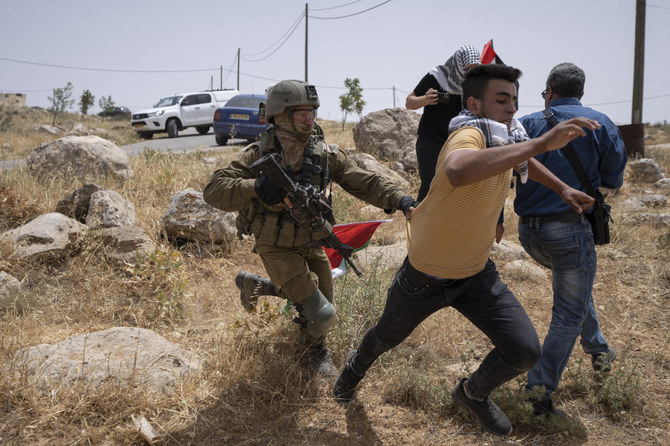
[[80, 156]]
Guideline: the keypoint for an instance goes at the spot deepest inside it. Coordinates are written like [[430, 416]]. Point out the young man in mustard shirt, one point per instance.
[[450, 234]]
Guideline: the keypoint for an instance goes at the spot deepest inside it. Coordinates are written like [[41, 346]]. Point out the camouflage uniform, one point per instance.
[[293, 258]]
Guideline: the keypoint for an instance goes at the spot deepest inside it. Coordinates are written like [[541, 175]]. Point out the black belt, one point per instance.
[[423, 279], [562, 217]]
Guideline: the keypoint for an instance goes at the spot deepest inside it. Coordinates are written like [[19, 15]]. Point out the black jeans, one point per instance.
[[483, 298]]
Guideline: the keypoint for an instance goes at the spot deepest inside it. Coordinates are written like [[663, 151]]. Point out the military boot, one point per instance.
[[251, 286], [320, 361]]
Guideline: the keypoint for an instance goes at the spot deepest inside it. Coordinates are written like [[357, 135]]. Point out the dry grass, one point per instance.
[[254, 391]]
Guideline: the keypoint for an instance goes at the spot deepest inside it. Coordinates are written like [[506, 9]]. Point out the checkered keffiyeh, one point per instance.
[[450, 75], [495, 133]]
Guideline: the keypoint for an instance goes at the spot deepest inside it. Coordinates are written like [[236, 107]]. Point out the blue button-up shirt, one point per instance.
[[601, 152]]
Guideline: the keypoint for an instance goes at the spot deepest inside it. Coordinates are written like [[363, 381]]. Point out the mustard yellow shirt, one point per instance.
[[451, 232]]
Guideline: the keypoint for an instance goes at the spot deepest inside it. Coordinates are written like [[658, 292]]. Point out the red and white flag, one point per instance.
[[489, 55], [356, 235]]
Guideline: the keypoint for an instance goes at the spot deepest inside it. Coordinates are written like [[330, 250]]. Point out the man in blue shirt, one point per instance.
[[562, 240]]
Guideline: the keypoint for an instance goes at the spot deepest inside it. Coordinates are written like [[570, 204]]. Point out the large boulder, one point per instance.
[[9, 289], [369, 163], [388, 133], [190, 218], [127, 355], [80, 156], [124, 243], [76, 205], [108, 209], [48, 236], [645, 170]]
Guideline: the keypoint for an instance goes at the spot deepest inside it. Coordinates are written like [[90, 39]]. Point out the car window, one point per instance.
[[245, 101], [166, 102], [204, 98], [191, 100]]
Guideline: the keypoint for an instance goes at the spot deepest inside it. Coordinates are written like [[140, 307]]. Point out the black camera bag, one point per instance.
[[600, 217]]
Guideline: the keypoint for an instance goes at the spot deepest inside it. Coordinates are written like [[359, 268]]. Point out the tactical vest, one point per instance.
[[273, 225]]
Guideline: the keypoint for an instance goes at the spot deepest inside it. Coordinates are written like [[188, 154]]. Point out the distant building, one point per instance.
[[12, 99]]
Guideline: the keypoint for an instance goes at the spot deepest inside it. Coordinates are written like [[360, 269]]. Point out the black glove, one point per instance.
[[407, 202], [269, 191], [331, 241], [345, 250]]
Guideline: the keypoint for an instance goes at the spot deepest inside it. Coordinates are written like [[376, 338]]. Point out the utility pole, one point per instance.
[[220, 77], [394, 96], [306, 18], [638, 64], [238, 69]]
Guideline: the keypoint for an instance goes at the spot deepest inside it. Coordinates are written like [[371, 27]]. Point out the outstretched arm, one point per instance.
[[470, 166]]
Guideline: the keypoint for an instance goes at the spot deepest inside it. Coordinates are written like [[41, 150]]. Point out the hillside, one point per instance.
[[251, 391]]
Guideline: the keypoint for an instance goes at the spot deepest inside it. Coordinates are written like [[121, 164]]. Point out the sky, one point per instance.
[[140, 51]]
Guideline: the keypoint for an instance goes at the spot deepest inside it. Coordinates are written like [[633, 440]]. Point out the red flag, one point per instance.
[[489, 54], [356, 235]]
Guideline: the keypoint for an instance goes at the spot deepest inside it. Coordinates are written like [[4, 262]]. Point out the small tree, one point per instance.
[[87, 99], [61, 100], [352, 100], [106, 104]]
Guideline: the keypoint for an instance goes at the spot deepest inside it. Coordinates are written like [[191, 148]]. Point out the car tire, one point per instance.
[[172, 128], [147, 135], [221, 140], [202, 129]]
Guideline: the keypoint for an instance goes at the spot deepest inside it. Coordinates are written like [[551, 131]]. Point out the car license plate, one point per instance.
[[138, 125], [240, 117]]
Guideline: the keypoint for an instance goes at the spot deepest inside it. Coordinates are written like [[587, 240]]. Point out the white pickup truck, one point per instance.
[[175, 113]]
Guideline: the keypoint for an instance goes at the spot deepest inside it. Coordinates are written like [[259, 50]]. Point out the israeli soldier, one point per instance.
[[292, 254]]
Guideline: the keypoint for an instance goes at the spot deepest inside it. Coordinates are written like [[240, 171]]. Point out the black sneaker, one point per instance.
[[547, 409], [345, 386], [602, 362], [489, 416], [320, 361]]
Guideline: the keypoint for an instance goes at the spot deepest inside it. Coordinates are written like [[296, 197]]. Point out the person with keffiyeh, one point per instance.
[[449, 237], [438, 109]]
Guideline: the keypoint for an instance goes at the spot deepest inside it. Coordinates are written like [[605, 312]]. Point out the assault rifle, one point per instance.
[[307, 206]]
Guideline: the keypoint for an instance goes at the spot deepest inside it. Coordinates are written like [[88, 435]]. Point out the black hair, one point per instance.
[[478, 77], [567, 80]]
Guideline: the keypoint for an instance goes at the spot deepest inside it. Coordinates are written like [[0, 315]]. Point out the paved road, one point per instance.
[[187, 141]]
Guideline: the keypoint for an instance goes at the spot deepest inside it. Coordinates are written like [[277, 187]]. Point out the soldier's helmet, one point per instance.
[[288, 94]]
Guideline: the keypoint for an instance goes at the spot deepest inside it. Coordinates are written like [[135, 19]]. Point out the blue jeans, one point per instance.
[[568, 250], [483, 298]]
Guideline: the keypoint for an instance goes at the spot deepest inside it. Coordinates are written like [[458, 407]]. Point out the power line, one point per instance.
[[291, 29], [110, 70], [656, 6], [350, 15], [612, 102], [623, 102], [335, 7], [282, 44], [230, 69]]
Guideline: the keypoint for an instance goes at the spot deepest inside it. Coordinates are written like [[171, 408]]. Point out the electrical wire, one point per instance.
[[291, 29], [109, 70], [230, 69], [349, 15], [282, 44], [335, 7]]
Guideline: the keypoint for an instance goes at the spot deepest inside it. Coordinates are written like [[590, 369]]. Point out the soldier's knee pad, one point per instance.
[[320, 314]]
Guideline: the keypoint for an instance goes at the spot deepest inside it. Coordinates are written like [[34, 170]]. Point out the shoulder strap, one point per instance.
[[571, 156]]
